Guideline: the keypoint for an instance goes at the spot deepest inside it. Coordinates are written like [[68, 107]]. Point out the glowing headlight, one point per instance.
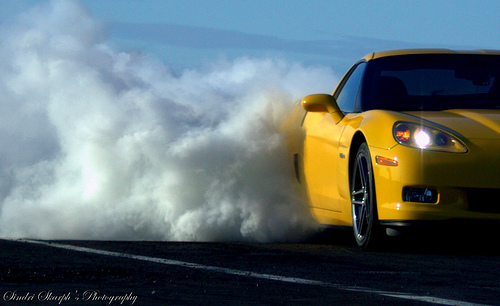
[[422, 139], [425, 137]]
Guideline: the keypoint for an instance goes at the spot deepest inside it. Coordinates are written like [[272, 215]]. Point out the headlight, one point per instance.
[[425, 137]]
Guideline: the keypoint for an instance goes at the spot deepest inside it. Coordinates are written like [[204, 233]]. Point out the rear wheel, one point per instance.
[[364, 208]]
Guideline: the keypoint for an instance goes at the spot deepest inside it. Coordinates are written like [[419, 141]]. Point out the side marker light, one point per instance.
[[384, 161]]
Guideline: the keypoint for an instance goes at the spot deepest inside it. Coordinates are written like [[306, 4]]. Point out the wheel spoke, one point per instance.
[[361, 220], [363, 174], [358, 192]]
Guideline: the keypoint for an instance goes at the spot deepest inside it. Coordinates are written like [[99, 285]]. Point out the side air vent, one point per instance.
[[296, 166]]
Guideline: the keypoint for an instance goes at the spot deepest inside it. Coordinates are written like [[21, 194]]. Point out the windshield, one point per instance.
[[433, 82]]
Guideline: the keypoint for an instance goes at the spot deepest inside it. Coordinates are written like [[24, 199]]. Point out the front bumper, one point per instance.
[[467, 184]]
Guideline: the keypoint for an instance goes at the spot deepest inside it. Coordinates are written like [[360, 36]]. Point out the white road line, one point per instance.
[[295, 280]]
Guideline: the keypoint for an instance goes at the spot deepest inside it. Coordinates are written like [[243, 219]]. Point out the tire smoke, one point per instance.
[[102, 144]]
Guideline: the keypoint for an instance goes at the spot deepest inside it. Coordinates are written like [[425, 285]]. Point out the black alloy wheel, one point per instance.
[[363, 201]]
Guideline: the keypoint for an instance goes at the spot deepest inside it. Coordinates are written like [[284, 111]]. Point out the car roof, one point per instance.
[[388, 53]]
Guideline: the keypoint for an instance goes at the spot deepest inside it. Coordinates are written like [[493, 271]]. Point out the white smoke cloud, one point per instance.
[[101, 144]]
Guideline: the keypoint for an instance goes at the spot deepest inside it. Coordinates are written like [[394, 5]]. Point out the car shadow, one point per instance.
[[480, 240]]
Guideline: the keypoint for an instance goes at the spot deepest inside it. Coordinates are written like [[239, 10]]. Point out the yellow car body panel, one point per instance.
[[325, 169], [326, 150], [387, 53]]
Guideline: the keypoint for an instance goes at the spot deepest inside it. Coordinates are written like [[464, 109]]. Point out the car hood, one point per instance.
[[472, 124]]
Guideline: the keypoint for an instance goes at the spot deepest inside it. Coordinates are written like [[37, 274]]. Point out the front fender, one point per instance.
[[375, 128]]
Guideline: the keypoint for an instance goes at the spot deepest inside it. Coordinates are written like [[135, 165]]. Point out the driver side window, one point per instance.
[[348, 94]]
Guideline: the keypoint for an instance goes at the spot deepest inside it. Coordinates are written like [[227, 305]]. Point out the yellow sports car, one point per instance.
[[407, 136]]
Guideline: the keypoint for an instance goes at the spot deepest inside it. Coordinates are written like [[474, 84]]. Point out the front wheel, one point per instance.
[[364, 208]]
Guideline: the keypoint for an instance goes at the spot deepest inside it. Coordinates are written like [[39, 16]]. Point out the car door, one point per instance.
[[322, 144]]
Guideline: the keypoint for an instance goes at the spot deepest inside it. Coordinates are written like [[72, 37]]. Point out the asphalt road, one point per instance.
[[317, 272]]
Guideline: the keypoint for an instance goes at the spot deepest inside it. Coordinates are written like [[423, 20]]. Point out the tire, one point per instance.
[[367, 232]]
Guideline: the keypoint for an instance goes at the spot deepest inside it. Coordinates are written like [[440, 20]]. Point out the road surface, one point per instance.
[[310, 273]]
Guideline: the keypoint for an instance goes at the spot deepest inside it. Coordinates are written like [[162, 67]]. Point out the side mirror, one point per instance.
[[323, 103]]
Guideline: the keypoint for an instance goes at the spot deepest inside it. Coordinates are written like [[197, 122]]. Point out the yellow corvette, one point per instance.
[[407, 136]]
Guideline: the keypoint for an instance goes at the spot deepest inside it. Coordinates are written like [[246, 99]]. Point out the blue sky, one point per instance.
[[187, 33]]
